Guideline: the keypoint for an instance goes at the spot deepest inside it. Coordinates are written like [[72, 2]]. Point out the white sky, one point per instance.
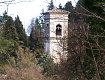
[[29, 10]]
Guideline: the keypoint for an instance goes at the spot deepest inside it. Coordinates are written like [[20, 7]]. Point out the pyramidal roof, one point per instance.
[[56, 10]]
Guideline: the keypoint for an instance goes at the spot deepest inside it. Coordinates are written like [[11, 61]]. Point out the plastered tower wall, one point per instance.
[[53, 44]]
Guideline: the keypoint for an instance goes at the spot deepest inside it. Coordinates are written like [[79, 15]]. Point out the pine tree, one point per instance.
[[68, 6], [60, 6], [9, 31], [20, 30], [37, 24], [32, 41], [5, 16], [35, 39], [51, 5]]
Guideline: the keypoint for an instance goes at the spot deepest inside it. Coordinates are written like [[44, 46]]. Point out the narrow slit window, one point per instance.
[[59, 30]]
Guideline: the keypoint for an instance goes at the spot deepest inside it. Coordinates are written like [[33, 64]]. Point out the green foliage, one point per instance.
[[36, 36], [60, 6], [51, 5], [6, 46], [5, 16], [1, 19], [37, 24], [16, 62], [20, 31], [9, 31], [47, 63], [68, 6]]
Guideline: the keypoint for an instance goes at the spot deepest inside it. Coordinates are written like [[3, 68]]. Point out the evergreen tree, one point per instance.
[[9, 31], [68, 6], [51, 5], [35, 39], [5, 16], [60, 6], [37, 24], [31, 39], [20, 30]]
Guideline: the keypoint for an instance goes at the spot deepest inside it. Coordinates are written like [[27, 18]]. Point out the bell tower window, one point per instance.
[[58, 30]]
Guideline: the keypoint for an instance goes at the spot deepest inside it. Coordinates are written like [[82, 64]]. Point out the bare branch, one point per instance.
[[88, 15], [95, 15], [92, 14]]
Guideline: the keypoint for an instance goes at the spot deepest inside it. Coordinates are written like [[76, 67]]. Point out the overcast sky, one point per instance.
[[29, 10]]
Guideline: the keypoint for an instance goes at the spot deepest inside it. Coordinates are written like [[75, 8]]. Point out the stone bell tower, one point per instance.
[[55, 29]]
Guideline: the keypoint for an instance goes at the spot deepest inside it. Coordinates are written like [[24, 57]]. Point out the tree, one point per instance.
[[94, 56], [32, 24], [86, 45], [60, 6], [36, 37], [5, 16], [37, 24], [20, 31], [10, 40], [51, 5], [9, 31], [68, 6]]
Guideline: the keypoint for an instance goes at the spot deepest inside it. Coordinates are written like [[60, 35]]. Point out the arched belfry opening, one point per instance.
[[58, 30]]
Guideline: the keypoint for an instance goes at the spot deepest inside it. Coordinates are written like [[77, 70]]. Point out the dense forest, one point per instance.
[[22, 57]]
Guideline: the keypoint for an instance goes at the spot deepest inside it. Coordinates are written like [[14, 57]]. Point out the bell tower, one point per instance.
[[55, 30]]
